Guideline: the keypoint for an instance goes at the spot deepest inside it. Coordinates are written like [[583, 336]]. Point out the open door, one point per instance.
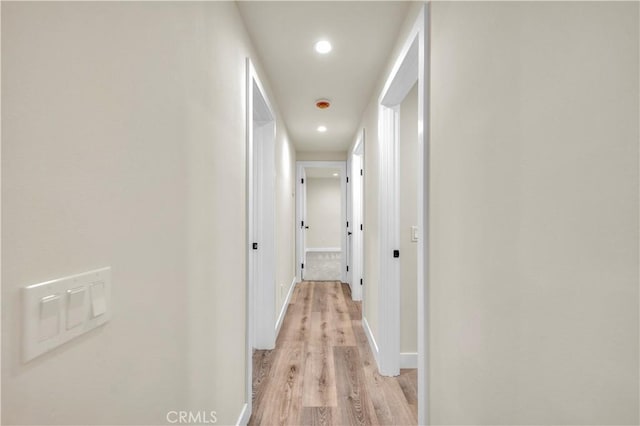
[[304, 225], [356, 218]]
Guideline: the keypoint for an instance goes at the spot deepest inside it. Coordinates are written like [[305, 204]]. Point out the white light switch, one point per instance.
[[57, 311], [75, 307], [49, 324], [98, 299]]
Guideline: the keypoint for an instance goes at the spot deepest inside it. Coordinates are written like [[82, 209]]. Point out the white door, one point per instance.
[[304, 224], [350, 237], [356, 250]]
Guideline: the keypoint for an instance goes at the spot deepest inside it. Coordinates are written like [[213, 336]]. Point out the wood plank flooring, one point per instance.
[[322, 371]]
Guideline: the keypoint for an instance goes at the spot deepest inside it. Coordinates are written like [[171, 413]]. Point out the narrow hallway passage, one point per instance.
[[322, 371]]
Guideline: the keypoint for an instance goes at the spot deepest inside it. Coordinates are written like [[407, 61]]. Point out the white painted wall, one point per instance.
[[534, 213], [321, 156], [408, 145], [124, 146], [324, 210]]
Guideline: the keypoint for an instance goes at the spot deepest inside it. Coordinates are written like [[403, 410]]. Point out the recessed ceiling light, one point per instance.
[[323, 46], [322, 129], [335, 175]]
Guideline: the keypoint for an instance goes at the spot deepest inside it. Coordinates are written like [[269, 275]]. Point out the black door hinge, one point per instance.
[[347, 179], [255, 246], [396, 253], [360, 281], [302, 267], [302, 224], [301, 180], [347, 268], [361, 172], [361, 227], [347, 224]]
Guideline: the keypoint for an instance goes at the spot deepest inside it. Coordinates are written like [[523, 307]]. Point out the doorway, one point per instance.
[[410, 69], [260, 302], [321, 221]]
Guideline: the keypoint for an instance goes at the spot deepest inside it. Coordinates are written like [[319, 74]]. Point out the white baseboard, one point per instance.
[[244, 416], [323, 250], [372, 341], [283, 310], [408, 359]]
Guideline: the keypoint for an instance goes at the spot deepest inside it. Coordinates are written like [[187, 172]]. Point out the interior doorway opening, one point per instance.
[[260, 244], [321, 249], [410, 69]]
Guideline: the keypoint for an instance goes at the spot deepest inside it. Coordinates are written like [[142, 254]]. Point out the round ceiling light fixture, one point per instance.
[[323, 103], [323, 47], [322, 129]]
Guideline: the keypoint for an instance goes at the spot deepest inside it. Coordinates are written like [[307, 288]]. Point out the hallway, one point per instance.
[[322, 370], [172, 251]]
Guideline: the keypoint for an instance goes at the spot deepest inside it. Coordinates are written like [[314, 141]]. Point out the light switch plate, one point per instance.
[[414, 234], [57, 311]]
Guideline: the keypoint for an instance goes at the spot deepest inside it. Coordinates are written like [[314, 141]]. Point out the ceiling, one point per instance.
[[362, 34]]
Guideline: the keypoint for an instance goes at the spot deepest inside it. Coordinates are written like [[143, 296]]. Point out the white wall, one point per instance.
[[324, 213], [534, 213], [321, 155], [408, 146], [124, 145]]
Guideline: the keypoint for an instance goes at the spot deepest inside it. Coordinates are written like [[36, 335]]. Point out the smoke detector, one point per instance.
[[323, 104]]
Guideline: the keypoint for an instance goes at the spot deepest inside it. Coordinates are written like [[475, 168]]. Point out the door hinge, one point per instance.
[[347, 224], [347, 268], [396, 253], [255, 246], [361, 227], [347, 179], [360, 281], [361, 172], [301, 180], [302, 224], [302, 266]]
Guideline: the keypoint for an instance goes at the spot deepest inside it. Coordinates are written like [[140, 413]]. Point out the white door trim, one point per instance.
[[260, 222], [301, 166], [411, 66]]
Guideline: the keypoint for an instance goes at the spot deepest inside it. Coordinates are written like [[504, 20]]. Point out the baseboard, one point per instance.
[[323, 250], [372, 341], [244, 416], [283, 310], [408, 359]]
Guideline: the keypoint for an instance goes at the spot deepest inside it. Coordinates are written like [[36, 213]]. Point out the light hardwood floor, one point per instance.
[[322, 371]]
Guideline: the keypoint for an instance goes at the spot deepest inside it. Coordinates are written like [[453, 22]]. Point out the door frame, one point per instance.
[[301, 166], [411, 66], [355, 209], [260, 223]]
